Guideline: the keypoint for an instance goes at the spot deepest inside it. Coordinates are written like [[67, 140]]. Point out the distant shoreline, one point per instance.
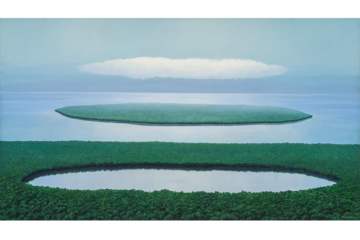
[[183, 124]]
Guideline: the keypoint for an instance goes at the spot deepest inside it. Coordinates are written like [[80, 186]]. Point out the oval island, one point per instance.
[[184, 114]]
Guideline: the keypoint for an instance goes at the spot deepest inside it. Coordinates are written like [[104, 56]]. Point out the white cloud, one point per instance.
[[192, 68]]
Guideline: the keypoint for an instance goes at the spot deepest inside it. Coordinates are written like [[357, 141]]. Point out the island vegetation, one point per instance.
[[21, 160], [183, 114]]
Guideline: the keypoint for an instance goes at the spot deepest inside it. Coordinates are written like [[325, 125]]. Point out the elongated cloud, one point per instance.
[[192, 68]]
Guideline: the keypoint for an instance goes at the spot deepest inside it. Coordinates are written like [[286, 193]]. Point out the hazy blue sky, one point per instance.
[[306, 47]]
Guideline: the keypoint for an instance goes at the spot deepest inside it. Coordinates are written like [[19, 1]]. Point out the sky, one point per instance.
[[32, 50]]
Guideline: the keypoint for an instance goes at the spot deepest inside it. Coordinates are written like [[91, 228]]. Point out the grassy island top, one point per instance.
[[160, 113], [19, 200]]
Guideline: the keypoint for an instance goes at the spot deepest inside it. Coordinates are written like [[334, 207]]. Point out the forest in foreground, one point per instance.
[[20, 201]]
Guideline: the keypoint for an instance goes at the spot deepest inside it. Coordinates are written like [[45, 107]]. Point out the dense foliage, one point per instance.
[[19, 200], [160, 113]]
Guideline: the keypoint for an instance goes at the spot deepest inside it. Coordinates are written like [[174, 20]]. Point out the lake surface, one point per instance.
[[31, 116], [182, 180]]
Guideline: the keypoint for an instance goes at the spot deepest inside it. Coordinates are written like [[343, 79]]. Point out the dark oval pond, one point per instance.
[[183, 180]]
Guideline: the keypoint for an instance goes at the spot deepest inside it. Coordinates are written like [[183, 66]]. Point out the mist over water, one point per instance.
[[31, 116]]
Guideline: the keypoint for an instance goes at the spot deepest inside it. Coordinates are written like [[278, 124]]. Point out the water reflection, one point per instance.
[[182, 180], [31, 116]]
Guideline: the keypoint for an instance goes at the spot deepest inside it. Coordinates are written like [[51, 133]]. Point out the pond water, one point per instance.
[[182, 180], [31, 116]]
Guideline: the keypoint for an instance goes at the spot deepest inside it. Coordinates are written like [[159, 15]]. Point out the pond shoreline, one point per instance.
[[186, 167]]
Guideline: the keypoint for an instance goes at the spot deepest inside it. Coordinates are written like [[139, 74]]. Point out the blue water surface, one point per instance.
[[31, 116]]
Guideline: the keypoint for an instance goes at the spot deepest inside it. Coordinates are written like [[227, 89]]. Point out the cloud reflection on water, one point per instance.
[[181, 180]]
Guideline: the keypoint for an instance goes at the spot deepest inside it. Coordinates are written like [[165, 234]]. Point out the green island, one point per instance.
[[183, 114], [19, 200]]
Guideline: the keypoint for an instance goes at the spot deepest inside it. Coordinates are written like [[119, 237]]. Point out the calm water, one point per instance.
[[181, 180], [31, 116]]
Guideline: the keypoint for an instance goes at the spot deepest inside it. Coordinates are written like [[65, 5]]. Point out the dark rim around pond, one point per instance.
[[208, 167]]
